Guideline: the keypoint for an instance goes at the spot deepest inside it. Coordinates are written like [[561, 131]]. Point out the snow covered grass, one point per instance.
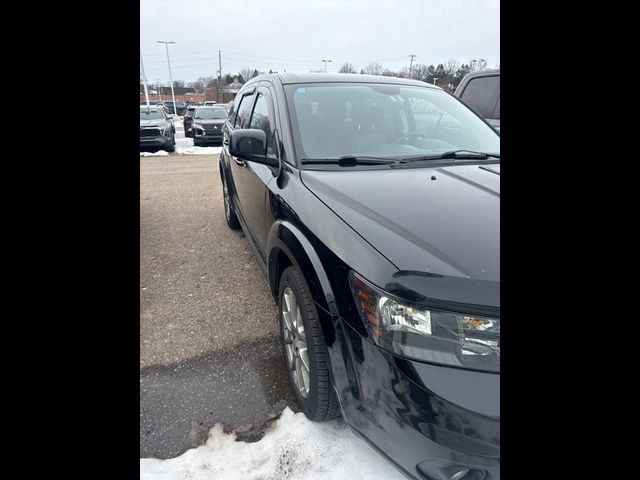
[[293, 448]]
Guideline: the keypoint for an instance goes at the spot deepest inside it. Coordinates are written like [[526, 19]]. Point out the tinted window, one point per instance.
[[244, 111], [151, 114], [481, 93], [210, 113], [233, 111], [496, 114], [260, 120], [398, 121]]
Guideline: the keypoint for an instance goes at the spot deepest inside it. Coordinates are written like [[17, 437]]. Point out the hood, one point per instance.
[[153, 123], [429, 222], [213, 121]]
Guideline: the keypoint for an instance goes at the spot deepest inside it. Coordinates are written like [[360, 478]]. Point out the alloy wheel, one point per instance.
[[295, 342]]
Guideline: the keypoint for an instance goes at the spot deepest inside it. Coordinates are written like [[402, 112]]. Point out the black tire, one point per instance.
[[229, 213], [321, 403], [171, 147]]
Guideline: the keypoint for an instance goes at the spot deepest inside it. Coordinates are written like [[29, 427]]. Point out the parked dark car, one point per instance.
[[156, 129], [187, 121], [379, 238], [207, 124], [180, 108], [481, 90]]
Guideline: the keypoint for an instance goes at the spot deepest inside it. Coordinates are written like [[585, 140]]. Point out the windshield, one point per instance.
[[150, 114], [210, 113], [394, 121]]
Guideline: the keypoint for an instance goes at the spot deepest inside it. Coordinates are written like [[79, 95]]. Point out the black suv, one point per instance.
[[207, 124], [156, 129], [378, 229], [481, 91], [178, 110]]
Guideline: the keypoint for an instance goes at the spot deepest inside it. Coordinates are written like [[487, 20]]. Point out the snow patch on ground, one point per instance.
[[184, 146], [293, 448], [159, 153]]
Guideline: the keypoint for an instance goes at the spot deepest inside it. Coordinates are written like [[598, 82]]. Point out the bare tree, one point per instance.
[[246, 74], [198, 86], [403, 72], [179, 83], [347, 68], [373, 69], [451, 67], [421, 72]]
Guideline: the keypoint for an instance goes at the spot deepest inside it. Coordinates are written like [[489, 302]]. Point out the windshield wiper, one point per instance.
[[454, 154], [350, 161]]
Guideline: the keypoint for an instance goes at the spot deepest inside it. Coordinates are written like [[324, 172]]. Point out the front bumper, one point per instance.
[[430, 421], [210, 134], [155, 141]]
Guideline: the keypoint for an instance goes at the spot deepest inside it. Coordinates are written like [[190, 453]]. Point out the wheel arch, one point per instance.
[[288, 246]]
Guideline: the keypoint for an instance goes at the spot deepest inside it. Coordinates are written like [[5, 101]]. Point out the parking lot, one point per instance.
[[209, 347]]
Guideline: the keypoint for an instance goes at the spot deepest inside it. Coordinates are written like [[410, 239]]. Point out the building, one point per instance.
[[163, 94], [227, 93]]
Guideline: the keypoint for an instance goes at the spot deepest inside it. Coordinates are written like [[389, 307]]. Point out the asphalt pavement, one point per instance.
[[209, 345]]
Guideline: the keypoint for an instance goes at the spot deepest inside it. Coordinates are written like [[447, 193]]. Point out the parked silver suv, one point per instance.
[[156, 128]]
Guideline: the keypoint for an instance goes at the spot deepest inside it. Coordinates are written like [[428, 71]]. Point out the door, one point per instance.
[[250, 178]]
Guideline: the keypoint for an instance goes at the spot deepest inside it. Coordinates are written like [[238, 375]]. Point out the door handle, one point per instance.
[[238, 161]]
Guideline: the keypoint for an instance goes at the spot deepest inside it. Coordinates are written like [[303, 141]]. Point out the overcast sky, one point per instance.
[[296, 35]]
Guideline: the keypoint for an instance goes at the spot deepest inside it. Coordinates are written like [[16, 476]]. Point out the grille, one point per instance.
[[211, 129], [149, 132]]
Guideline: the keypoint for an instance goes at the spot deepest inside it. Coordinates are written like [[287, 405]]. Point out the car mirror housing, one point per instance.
[[251, 144]]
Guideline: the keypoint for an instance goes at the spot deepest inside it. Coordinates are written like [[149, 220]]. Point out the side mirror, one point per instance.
[[251, 144]]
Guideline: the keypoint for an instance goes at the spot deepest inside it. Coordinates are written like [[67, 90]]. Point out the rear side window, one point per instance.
[[244, 111], [233, 111], [261, 120], [481, 94], [496, 114]]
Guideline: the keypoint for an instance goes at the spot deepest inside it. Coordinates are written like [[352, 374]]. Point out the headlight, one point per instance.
[[420, 333], [198, 126]]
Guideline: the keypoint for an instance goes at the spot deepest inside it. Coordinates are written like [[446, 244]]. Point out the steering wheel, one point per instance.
[[411, 134]]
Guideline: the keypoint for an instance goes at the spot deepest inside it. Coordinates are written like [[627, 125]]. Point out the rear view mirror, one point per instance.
[[251, 144]]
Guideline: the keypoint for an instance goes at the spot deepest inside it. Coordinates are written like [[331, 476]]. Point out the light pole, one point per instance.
[[173, 95], [144, 80], [411, 57], [158, 88], [325, 64]]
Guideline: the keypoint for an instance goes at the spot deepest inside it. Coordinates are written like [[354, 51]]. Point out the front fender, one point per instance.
[[286, 237]]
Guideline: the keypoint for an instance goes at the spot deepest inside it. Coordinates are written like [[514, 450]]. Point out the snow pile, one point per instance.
[[184, 146], [293, 448], [159, 153]]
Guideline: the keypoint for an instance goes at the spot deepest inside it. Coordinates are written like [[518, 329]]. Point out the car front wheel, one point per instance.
[[172, 146], [305, 351]]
